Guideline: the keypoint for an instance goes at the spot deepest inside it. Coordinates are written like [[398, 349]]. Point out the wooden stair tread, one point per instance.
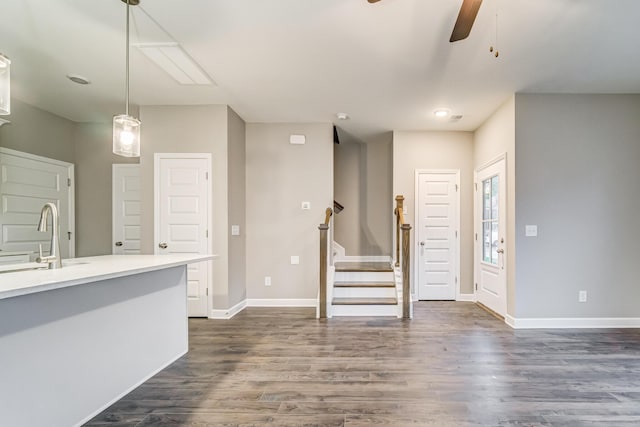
[[364, 301], [364, 266], [364, 285]]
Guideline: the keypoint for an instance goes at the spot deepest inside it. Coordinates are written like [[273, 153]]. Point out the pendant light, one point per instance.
[[126, 128], [5, 85]]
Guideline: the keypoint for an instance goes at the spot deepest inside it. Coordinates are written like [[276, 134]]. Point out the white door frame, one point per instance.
[[156, 212], [71, 188], [416, 215], [478, 232]]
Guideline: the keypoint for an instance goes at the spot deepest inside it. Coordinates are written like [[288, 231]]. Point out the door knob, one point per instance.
[[421, 243], [162, 246], [118, 243], [500, 251]]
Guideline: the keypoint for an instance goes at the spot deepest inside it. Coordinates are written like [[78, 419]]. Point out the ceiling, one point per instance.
[[388, 65]]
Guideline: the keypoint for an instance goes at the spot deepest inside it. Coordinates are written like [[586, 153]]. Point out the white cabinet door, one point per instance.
[[126, 209], [27, 183], [182, 208]]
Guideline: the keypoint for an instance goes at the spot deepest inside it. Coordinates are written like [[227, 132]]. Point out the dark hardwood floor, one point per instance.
[[452, 365]]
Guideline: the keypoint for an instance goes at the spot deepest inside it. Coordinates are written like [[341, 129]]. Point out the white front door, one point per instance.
[[182, 218], [437, 213], [126, 209], [28, 182], [491, 238]]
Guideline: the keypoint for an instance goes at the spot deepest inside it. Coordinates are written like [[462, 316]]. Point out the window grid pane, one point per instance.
[[490, 213]]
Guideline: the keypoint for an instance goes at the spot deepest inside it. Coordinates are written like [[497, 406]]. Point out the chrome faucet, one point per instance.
[[54, 260]]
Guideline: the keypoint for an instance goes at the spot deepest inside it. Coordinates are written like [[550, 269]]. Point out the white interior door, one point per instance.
[[126, 209], [182, 218], [437, 213], [27, 183], [491, 236]]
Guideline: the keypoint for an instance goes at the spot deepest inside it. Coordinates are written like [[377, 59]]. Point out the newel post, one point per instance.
[[323, 270], [399, 208], [406, 260]]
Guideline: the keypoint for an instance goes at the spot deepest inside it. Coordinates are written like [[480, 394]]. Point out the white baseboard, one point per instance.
[[467, 297], [572, 322], [281, 302], [229, 312], [364, 258]]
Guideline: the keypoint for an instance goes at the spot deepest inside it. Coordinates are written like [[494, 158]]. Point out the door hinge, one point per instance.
[[456, 234], [457, 187], [206, 291], [456, 280], [206, 233], [69, 235], [68, 182], [476, 236], [206, 175], [476, 286], [476, 185]]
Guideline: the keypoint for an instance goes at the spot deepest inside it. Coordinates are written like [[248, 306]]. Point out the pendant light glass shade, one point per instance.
[[126, 136], [126, 129], [5, 85]]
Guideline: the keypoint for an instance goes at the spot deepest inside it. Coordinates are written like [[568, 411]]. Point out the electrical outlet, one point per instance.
[[306, 206], [582, 296], [295, 259], [267, 280]]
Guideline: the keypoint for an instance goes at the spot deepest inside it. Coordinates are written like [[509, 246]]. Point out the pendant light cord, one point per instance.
[[127, 66]]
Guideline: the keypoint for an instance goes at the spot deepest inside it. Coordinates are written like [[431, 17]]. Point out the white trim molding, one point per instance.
[[572, 322], [466, 297], [282, 302], [228, 313], [363, 258]]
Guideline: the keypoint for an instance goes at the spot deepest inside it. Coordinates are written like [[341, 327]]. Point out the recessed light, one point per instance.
[[78, 79], [442, 113], [342, 116]]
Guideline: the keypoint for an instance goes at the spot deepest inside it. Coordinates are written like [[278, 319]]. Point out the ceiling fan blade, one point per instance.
[[466, 16], [373, 1]]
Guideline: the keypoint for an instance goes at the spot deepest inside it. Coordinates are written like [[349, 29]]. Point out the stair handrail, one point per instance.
[[324, 263], [403, 233]]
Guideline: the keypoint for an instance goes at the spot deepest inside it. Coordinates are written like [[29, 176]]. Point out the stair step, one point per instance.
[[363, 266], [364, 285], [364, 301]]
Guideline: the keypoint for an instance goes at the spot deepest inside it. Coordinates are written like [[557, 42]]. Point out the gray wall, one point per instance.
[[495, 137], [237, 207], [189, 129], [279, 177], [437, 150], [363, 179], [578, 179], [93, 157], [38, 132]]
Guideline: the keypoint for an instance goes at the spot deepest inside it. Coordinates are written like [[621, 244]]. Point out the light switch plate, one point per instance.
[[235, 230], [267, 280], [531, 230], [306, 206], [295, 259]]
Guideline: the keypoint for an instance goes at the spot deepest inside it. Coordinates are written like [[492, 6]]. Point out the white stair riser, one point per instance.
[[364, 310], [363, 276], [364, 292]]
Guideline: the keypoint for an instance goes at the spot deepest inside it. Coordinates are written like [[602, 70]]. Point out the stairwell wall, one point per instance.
[[280, 176], [363, 180]]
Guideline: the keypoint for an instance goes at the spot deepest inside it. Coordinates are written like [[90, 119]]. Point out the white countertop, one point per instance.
[[78, 271]]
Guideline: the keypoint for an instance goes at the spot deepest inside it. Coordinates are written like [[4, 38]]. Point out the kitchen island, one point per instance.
[[76, 339]]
